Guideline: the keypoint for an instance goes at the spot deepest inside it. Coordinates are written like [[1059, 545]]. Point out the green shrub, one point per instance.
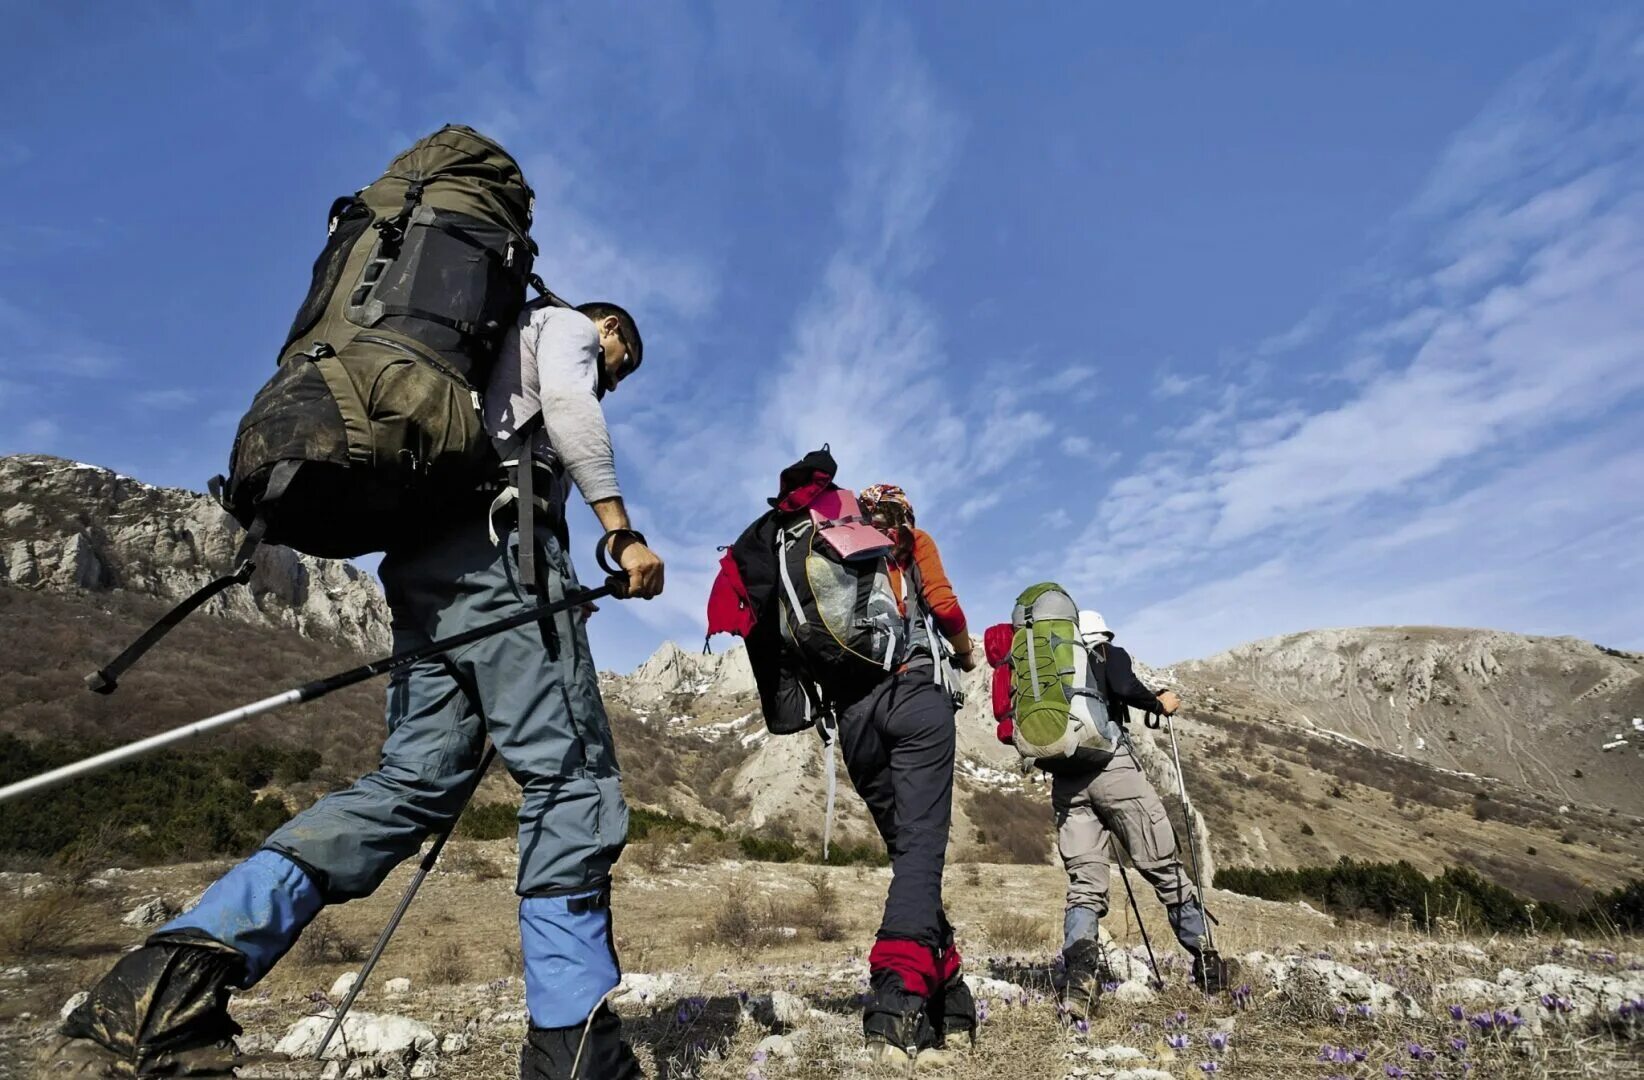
[[164, 808], [1393, 890], [489, 821]]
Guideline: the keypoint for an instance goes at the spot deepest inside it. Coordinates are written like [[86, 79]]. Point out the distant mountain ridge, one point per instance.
[[1535, 712], [71, 527]]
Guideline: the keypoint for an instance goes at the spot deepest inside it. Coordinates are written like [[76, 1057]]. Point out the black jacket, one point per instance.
[[1121, 687]]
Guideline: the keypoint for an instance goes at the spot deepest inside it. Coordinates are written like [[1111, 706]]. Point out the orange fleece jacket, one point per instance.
[[940, 599]]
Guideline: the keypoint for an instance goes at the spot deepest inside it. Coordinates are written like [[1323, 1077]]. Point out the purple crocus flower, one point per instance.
[[1210, 1066], [1364, 1011], [1419, 1052], [1082, 1026], [1555, 1003], [1218, 1040], [1458, 1044], [1341, 1012], [1457, 1012], [982, 1011], [1179, 1020], [1359, 1055], [1177, 1042], [1242, 995], [1110, 986], [1394, 1071]]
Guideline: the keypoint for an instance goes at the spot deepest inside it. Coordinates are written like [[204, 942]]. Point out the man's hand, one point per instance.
[[1170, 701], [644, 568], [966, 661]]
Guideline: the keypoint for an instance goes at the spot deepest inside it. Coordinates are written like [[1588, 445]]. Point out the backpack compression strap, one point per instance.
[[106, 679]]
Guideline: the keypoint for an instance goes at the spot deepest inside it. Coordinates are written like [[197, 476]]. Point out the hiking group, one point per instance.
[[422, 407]]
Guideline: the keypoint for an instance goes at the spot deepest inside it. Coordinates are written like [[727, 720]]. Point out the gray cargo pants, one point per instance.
[[1090, 809], [534, 689]]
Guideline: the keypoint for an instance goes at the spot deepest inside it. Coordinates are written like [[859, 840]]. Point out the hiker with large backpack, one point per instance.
[[1062, 695], [418, 383], [850, 619]]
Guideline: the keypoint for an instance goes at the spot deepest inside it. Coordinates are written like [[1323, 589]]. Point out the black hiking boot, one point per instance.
[[591, 1051], [1084, 975], [897, 1026], [161, 1011], [1211, 973], [952, 1013]]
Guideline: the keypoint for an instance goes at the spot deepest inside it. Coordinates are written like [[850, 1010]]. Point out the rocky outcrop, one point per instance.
[[672, 672], [76, 528]]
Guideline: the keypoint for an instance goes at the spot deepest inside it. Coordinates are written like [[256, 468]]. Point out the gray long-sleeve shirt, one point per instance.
[[549, 364]]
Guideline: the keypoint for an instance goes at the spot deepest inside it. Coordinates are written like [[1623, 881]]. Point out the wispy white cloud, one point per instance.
[[1514, 324], [1170, 384]]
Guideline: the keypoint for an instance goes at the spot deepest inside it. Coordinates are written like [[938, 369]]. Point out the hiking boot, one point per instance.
[[160, 1011], [897, 1025], [1084, 974], [951, 1012], [594, 1050], [1211, 973], [68, 1056]]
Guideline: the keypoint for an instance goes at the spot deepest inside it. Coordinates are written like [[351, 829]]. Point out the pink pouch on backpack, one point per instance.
[[839, 522]]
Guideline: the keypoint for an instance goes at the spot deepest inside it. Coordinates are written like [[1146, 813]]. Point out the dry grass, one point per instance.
[[471, 861], [743, 921], [681, 923], [447, 965], [1018, 932], [49, 921], [325, 942]]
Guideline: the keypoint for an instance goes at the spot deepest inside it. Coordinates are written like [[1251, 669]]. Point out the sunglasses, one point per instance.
[[630, 363]]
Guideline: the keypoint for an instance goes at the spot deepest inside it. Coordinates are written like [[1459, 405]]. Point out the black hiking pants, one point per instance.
[[898, 744]]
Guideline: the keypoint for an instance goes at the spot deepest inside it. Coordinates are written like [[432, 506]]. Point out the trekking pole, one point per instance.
[[1124, 875], [423, 870], [615, 586], [1192, 835]]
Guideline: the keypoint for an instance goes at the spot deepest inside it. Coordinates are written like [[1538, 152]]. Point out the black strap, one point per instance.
[[603, 554], [525, 485], [546, 297], [393, 229], [106, 679]]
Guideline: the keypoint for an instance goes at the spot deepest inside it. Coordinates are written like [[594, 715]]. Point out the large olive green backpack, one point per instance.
[[373, 415], [1060, 713]]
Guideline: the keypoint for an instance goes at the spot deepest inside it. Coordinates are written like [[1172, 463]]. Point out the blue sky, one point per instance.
[[1239, 319]]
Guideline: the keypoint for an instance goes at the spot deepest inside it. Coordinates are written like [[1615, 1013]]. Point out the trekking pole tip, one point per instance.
[[101, 682]]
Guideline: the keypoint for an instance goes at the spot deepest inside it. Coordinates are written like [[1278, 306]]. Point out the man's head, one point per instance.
[[620, 346]]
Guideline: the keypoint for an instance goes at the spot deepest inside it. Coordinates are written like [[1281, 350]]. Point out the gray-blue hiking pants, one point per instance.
[[534, 689]]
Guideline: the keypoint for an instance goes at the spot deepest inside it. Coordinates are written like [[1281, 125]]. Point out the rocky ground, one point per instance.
[[754, 972]]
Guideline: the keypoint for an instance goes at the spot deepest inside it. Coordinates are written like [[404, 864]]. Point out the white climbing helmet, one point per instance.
[[1093, 629]]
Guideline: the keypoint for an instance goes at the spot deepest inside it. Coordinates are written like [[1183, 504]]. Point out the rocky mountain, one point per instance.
[[68, 527], [1557, 716]]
